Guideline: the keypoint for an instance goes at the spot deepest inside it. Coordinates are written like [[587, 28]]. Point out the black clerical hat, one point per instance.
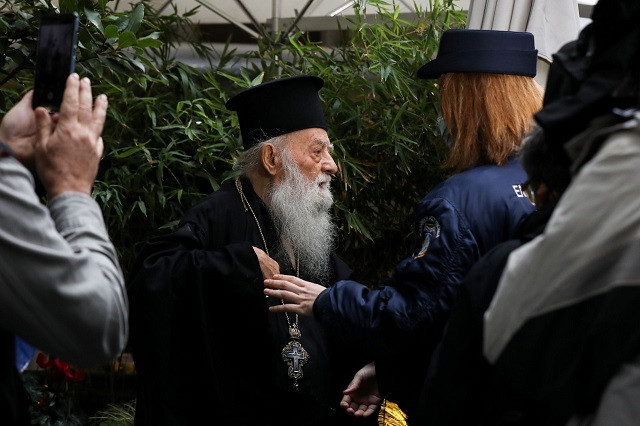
[[277, 107], [490, 51]]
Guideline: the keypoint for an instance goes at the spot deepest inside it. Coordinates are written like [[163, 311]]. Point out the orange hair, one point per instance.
[[487, 115]]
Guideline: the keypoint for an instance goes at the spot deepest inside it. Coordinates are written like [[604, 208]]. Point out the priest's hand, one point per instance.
[[299, 294], [362, 398], [268, 266]]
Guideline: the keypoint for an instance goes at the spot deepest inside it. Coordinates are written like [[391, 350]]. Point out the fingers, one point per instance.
[[27, 98], [78, 102], [362, 410], [353, 386], [84, 102], [358, 410], [99, 113], [70, 99], [285, 282], [281, 289], [100, 147], [345, 402], [288, 307], [77, 105], [369, 410], [300, 294], [279, 284], [287, 296], [44, 126], [290, 279]]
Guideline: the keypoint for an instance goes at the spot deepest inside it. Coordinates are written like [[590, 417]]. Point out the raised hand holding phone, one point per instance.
[[67, 153]]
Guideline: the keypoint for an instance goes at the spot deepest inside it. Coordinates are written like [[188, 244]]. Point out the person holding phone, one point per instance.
[[61, 286]]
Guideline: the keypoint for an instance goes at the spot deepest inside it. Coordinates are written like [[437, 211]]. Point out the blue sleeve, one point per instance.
[[400, 324], [417, 297]]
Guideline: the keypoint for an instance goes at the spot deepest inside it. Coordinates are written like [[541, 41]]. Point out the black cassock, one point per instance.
[[206, 348]]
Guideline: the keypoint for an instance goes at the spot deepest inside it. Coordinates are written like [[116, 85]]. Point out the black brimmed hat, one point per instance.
[[278, 107], [490, 51]]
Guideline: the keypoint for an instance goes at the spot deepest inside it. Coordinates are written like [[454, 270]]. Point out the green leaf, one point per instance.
[[21, 25], [258, 80], [68, 5], [149, 42], [135, 62], [142, 206], [135, 19], [129, 152], [384, 72], [126, 39], [16, 55], [239, 81], [399, 114], [170, 225], [111, 31], [94, 18]]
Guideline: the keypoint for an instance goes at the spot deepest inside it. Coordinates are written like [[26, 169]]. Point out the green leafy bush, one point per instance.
[[169, 140]]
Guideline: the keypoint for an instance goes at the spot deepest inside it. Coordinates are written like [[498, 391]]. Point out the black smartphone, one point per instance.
[[55, 58]]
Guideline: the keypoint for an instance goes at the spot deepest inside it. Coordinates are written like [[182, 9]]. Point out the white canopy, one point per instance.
[[552, 22]]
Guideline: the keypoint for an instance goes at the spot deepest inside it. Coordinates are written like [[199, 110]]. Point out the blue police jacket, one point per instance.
[[400, 322]]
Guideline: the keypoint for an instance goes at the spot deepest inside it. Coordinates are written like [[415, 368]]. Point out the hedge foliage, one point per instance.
[[169, 140]]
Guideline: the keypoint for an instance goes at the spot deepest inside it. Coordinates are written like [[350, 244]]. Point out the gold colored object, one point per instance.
[[391, 415]]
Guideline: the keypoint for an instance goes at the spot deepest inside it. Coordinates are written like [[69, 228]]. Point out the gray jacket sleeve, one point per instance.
[[61, 286]]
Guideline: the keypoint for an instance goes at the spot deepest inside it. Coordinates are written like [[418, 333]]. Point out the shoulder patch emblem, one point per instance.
[[429, 230]]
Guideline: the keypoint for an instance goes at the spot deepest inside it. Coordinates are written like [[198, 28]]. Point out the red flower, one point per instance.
[[60, 369]]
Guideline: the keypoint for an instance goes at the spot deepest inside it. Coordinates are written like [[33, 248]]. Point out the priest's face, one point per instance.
[[300, 201], [310, 149]]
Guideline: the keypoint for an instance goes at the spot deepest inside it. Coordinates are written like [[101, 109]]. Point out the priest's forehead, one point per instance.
[[314, 137]]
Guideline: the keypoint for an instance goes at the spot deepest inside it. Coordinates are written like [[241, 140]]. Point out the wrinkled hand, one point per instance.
[[68, 152], [268, 266], [299, 294], [18, 130], [362, 398]]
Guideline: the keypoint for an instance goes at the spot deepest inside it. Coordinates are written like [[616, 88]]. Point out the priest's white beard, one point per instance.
[[301, 213]]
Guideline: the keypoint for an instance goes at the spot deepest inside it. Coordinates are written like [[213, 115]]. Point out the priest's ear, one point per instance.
[[271, 159]]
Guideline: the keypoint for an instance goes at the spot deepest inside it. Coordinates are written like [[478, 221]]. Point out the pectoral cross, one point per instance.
[[295, 356]]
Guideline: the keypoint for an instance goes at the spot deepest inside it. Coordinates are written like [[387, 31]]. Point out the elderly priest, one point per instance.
[[206, 348]]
